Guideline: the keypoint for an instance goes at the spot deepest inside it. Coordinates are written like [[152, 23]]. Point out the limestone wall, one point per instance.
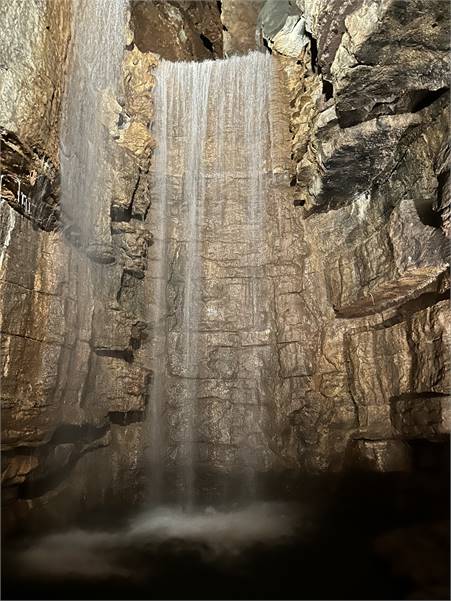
[[74, 370], [370, 166], [360, 310]]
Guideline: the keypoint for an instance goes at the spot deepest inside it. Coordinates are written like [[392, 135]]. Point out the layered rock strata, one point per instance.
[[362, 321], [74, 370], [369, 174]]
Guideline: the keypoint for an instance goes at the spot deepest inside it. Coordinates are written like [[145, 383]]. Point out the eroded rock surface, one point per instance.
[[73, 364], [360, 308], [178, 29], [387, 42], [370, 145]]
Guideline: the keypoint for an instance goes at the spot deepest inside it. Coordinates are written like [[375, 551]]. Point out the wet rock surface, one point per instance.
[[360, 308], [368, 176], [73, 370]]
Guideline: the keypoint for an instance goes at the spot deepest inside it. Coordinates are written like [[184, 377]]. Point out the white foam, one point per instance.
[[222, 531], [98, 554]]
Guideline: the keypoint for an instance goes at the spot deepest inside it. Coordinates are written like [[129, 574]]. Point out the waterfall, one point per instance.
[[211, 174], [97, 45]]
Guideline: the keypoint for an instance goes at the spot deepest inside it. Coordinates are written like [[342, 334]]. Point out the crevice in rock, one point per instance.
[[207, 42], [413, 396], [124, 283], [328, 89], [405, 311], [125, 418], [313, 53], [119, 214], [423, 98], [124, 354], [266, 45], [135, 190], [442, 185]]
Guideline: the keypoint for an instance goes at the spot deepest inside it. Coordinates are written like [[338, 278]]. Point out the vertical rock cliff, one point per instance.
[[359, 358], [369, 106], [74, 379]]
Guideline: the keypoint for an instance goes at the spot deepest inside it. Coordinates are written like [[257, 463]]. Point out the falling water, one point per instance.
[[97, 45], [210, 180]]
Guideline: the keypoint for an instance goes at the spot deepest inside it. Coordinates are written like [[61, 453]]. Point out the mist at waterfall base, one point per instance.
[[319, 537], [215, 534]]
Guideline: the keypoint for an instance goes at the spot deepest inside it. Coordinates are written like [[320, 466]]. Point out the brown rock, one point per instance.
[[389, 362], [239, 19], [421, 415], [178, 29], [391, 55]]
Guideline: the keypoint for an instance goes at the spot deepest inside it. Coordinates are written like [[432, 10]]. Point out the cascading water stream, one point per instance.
[[211, 172], [97, 46]]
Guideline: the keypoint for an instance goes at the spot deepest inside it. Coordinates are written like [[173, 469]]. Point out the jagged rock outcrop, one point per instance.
[[386, 42], [370, 171], [282, 27], [381, 57]]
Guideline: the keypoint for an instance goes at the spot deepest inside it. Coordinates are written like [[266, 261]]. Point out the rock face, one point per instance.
[[370, 148], [74, 373], [381, 57], [362, 319], [34, 41], [178, 29], [370, 151], [282, 27], [385, 42], [239, 21]]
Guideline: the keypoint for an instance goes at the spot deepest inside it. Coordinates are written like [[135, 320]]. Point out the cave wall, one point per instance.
[[369, 175], [74, 370], [363, 327]]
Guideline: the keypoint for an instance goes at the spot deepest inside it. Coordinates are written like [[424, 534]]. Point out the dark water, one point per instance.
[[355, 537]]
